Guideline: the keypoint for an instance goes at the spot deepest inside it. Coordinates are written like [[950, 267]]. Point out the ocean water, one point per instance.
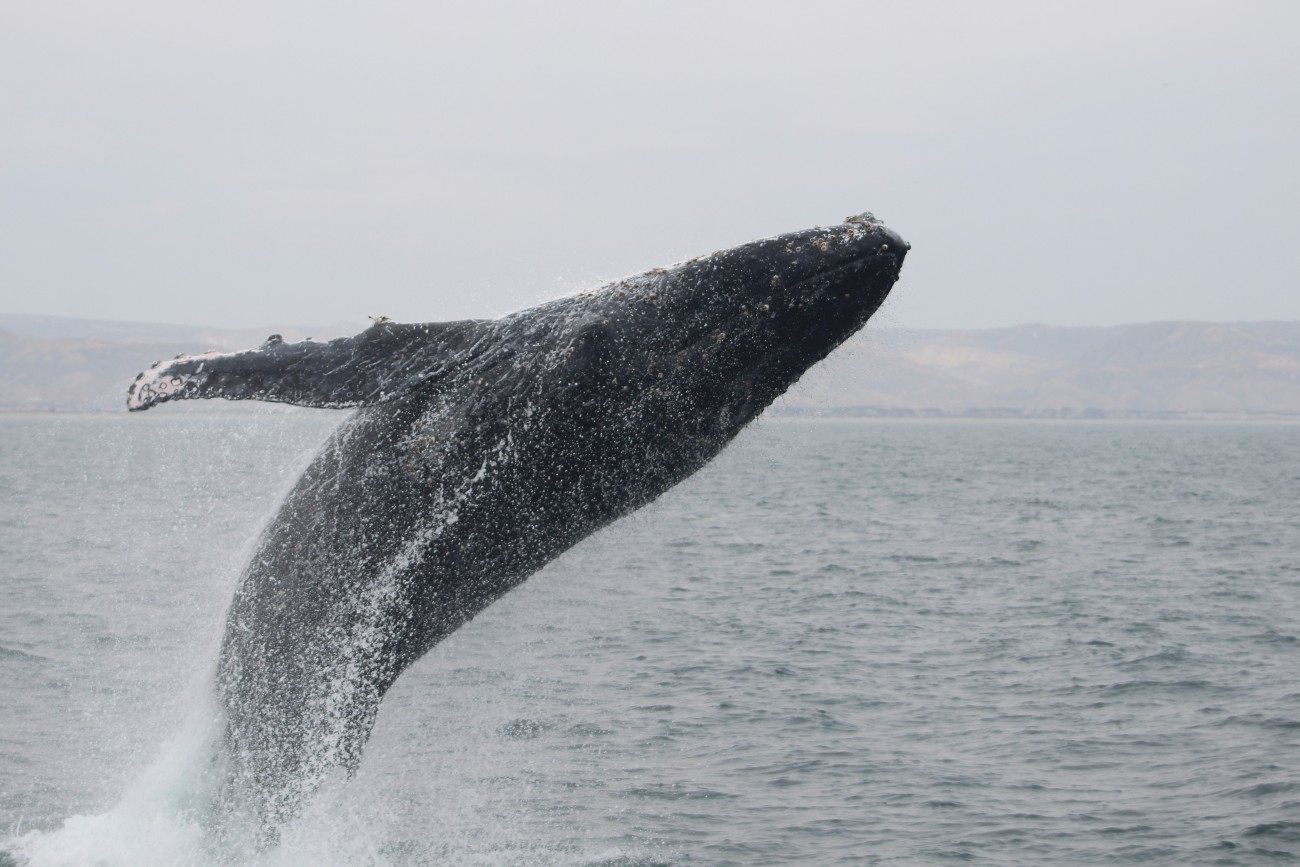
[[840, 643]]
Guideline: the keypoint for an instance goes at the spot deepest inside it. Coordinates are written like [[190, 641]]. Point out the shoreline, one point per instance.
[[796, 414]]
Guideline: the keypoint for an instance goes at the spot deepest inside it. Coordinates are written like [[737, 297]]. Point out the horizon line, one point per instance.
[[875, 327]]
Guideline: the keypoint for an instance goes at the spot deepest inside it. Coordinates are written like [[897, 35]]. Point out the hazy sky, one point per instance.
[[245, 163]]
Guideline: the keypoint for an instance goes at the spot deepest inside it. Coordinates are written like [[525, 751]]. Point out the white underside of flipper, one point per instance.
[[162, 383]]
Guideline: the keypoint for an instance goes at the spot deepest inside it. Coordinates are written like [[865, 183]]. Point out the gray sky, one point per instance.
[[310, 162]]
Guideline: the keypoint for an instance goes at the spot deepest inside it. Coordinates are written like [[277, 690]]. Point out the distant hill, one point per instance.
[[1160, 369], [1154, 369], [57, 364]]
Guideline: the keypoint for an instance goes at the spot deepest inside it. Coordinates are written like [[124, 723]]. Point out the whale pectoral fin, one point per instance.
[[381, 363]]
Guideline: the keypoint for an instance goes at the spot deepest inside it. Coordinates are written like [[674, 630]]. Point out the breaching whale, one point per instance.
[[482, 450]]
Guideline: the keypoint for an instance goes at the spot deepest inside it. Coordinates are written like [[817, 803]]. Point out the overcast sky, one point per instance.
[[240, 163]]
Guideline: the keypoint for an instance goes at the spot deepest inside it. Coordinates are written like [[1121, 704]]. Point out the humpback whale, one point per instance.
[[480, 450]]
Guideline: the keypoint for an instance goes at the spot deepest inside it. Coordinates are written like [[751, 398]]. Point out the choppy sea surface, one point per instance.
[[840, 643]]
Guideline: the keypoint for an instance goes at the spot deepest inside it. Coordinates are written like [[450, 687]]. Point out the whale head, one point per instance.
[[703, 346], [638, 384], [754, 318]]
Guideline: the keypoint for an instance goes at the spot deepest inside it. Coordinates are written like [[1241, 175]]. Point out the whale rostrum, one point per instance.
[[480, 450]]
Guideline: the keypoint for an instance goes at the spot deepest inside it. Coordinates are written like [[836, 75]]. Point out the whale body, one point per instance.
[[480, 451]]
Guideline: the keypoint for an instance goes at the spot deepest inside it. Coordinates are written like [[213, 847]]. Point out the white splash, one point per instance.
[[160, 822]]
